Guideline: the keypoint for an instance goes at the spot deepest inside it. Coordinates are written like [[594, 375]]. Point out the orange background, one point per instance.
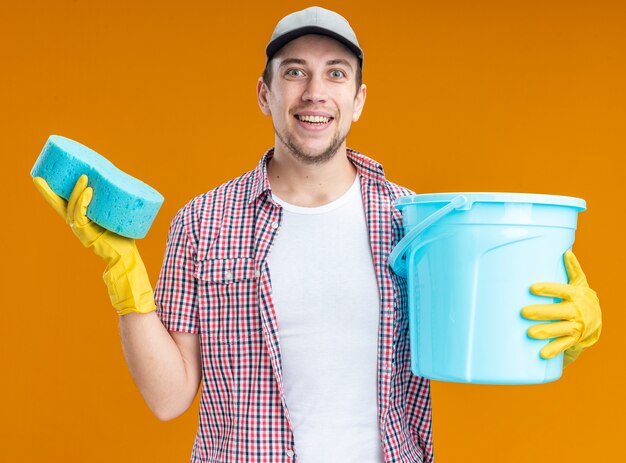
[[522, 96]]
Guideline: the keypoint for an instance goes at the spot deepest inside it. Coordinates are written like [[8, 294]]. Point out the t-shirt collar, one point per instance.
[[366, 167]]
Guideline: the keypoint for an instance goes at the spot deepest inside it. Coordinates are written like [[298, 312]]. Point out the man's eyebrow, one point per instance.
[[333, 62], [288, 61]]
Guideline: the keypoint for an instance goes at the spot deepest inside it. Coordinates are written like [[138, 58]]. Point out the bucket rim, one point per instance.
[[493, 197]]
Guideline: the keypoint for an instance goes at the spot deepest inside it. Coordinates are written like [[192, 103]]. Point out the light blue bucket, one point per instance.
[[470, 259]]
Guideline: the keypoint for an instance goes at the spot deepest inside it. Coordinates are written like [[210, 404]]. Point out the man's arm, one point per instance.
[[164, 365]]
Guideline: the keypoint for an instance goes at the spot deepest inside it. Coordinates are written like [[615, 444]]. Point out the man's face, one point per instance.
[[313, 98]]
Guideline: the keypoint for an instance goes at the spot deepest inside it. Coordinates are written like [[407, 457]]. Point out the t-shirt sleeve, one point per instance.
[[176, 290]]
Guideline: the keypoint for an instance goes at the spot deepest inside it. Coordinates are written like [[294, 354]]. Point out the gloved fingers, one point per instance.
[[80, 211], [554, 330], [557, 346], [80, 186], [560, 290], [57, 203], [575, 272], [559, 311]]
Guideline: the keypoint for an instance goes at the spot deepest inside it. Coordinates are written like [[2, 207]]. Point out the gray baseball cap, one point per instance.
[[313, 20]]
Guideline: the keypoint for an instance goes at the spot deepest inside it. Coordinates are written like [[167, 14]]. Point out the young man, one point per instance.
[[275, 292]]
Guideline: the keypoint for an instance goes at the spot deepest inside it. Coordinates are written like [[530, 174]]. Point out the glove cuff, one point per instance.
[[573, 352], [129, 285], [591, 339]]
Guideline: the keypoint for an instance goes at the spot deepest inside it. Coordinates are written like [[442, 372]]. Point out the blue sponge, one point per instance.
[[120, 203]]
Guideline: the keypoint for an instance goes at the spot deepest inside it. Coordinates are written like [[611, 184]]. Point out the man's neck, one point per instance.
[[310, 185]]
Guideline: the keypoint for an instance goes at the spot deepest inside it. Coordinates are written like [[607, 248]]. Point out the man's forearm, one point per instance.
[[165, 367]]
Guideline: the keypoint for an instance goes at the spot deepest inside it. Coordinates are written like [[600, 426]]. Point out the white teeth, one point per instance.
[[316, 119]]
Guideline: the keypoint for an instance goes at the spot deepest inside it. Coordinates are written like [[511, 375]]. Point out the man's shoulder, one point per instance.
[[236, 189], [399, 190], [375, 170], [212, 205]]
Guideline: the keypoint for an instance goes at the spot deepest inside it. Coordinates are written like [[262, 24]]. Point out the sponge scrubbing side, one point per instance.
[[121, 203]]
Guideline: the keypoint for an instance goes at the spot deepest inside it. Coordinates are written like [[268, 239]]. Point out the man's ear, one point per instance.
[[359, 102], [263, 93]]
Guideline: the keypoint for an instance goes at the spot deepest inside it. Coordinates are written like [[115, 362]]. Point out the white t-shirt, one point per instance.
[[327, 306]]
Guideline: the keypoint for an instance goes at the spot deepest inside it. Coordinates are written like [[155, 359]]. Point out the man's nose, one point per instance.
[[315, 90]]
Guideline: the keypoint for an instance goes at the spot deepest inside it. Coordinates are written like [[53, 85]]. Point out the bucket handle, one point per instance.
[[396, 261]]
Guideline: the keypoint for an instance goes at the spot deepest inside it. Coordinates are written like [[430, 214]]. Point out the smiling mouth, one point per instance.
[[314, 120]]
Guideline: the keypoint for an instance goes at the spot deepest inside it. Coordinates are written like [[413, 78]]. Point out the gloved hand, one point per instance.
[[579, 314], [125, 275]]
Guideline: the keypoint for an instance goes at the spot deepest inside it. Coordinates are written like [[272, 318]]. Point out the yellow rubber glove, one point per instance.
[[125, 275], [579, 314]]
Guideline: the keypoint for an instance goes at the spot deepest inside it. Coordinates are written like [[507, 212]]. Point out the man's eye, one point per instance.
[[294, 72], [337, 74]]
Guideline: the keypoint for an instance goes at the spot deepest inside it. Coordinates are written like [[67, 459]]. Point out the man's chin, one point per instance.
[[313, 157], [311, 153]]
